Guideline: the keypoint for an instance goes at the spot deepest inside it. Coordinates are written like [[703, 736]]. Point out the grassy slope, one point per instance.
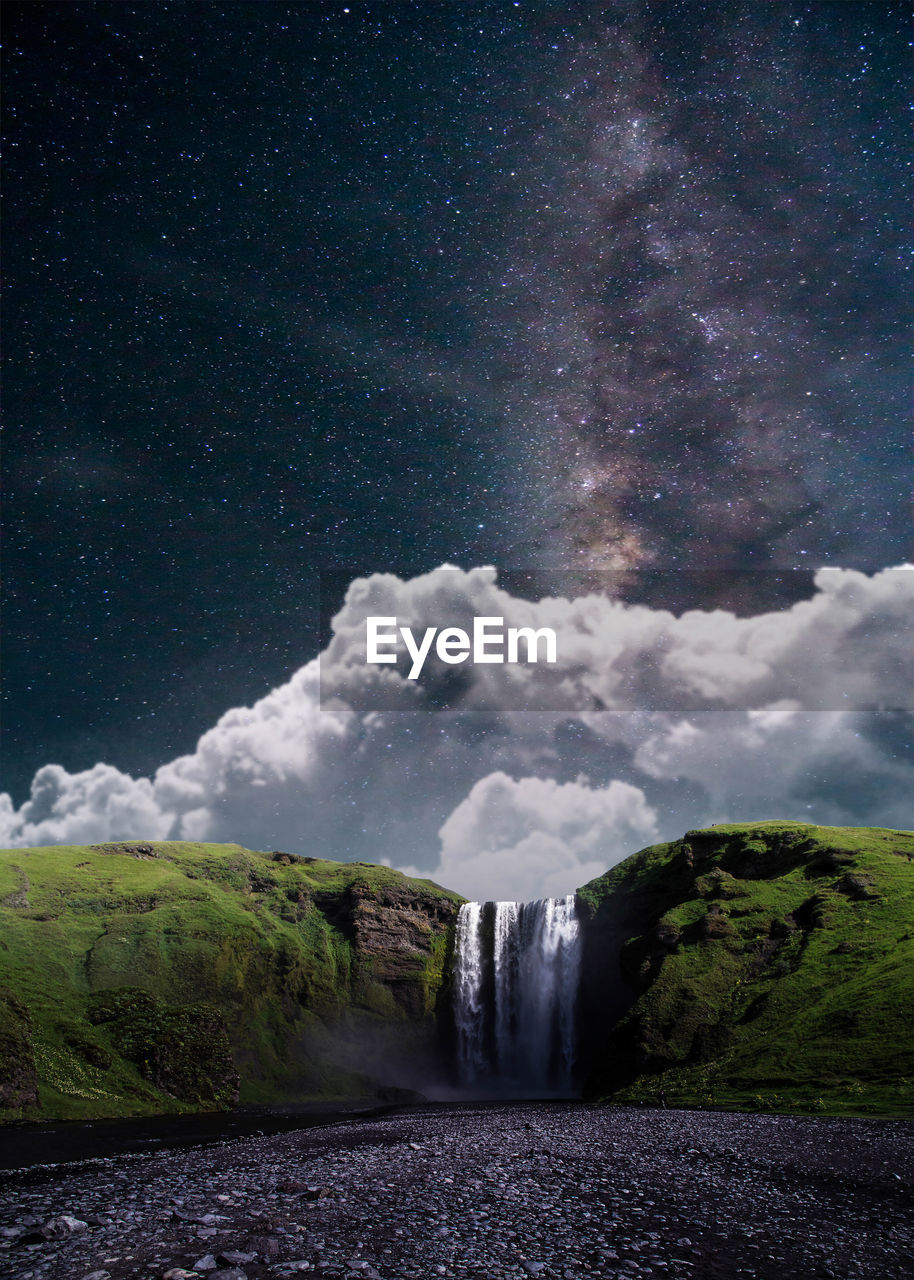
[[260, 941], [774, 965], [763, 975]]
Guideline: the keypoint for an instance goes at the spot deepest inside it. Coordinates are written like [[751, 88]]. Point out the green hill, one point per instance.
[[765, 964], [139, 978]]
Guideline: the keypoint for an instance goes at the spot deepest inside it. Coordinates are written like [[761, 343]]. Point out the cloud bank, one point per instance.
[[527, 780], [539, 836]]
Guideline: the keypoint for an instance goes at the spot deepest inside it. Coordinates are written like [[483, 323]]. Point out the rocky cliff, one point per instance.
[[765, 964], [148, 977]]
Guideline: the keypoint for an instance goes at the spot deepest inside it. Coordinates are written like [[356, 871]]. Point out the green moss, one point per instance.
[[18, 1074], [176, 959], [790, 979], [768, 965]]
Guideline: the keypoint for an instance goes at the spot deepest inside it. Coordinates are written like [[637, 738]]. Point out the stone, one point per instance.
[[614, 1200], [206, 1263], [64, 1225], [264, 1246], [38, 1236]]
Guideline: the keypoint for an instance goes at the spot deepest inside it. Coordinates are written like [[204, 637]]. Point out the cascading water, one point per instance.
[[517, 973], [505, 958], [468, 1005]]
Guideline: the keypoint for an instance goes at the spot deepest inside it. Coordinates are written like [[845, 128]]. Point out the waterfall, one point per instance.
[[468, 1003], [517, 973], [505, 963]]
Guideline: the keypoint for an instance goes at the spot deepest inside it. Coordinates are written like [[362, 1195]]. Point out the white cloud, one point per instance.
[[794, 713], [848, 646], [533, 837], [786, 762], [82, 808]]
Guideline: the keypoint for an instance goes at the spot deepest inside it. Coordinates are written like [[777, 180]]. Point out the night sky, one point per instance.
[[374, 287]]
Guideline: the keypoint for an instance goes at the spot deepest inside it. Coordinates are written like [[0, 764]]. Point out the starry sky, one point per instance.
[[370, 287]]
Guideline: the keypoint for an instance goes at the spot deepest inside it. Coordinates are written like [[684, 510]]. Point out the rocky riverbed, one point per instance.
[[497, 1191]]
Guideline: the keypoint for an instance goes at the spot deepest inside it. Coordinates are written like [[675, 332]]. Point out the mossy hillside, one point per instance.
[[18, 1076], [287, 962], [766, 965]]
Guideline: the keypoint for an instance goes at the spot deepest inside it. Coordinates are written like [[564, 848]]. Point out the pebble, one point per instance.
[[501, 1191]]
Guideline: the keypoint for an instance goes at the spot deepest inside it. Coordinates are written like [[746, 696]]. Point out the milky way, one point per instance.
[[715, 269], [378, 286]]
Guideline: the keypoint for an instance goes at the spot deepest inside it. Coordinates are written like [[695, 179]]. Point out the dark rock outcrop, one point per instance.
[[18, 1075], [184, 1051], [400, 942]]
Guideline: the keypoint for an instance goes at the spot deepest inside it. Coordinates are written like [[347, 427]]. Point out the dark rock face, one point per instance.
[[183, 1051], [716, 923], [141, 850], [859, 887], [18, 1076], [401, 941]]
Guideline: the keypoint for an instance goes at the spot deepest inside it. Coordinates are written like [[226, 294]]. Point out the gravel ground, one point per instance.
[[497, 1191]]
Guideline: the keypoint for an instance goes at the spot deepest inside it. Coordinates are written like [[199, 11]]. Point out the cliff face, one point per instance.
[[18, 1077], [768, 964], [163, 976], [401, 936]]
